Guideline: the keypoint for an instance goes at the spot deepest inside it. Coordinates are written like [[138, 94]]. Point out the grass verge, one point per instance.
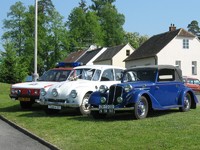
[[67, 130]]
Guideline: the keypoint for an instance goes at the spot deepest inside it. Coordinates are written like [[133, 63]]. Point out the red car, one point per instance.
[[192, 83]]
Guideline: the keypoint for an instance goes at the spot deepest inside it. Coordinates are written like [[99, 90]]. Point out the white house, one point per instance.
[[176, 47]]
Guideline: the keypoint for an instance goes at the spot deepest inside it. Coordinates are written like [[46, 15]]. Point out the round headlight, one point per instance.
[[128, 88], [103, 100], [54, 92], [43, 92], [73, 93], [19, 92], [119, 99], [103, 88], [36, 92]]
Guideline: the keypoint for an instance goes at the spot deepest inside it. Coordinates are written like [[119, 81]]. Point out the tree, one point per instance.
[[12, 70], [84, 28], [14, 26], [110, 20], [193, 27], [135, 39]]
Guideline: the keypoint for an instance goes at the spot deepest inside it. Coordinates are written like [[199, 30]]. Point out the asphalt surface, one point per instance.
[[13, 137]]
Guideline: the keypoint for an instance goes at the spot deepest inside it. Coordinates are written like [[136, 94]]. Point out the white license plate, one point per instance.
[[54, 107], [106, 106]]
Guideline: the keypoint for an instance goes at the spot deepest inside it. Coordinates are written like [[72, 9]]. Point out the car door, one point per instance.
[[167, 89]]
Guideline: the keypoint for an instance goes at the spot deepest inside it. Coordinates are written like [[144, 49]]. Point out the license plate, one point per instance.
[[106, 109], [54, 107], [24, 99], [106, 106]]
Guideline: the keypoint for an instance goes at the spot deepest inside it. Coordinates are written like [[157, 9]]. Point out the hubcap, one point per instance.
[[85, 104], [186, 102], [141, 109]]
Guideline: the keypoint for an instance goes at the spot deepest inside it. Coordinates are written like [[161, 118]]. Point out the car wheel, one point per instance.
[[97, 115], [25, 105], [186, 103], [141, 108], [84, 108]]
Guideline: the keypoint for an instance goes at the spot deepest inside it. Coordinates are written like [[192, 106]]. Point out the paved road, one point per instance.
[[13, 139]]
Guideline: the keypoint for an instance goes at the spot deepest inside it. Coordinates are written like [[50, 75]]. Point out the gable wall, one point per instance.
[[118, 59], [174, 51], [140, 62]]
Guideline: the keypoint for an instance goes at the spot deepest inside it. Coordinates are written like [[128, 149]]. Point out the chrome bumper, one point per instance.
[[65, 104]]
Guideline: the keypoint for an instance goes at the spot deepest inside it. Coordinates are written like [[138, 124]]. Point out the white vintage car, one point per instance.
[[28, 92], [75, 93]]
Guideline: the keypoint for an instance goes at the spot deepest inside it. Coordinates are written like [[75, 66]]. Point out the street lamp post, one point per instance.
[[35, 75]]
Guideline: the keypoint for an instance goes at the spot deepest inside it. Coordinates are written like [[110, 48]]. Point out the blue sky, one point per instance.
[[147, 17]]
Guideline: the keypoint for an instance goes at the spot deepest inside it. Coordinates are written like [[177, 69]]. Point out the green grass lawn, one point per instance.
[[68, 130]]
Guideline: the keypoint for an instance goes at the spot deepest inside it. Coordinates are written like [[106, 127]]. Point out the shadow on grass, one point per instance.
[[126, 116]]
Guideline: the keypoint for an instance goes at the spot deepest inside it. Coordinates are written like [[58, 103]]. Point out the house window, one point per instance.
[[127, 52], [185, 43], [178, 63], [194, 67]]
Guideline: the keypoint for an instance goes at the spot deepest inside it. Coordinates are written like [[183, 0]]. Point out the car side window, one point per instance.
[[118, 74], [166, 75], [107, 75]]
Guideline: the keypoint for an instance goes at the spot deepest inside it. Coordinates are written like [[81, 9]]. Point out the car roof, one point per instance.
[[62, 68], [99, 67], [187, 77], [156, 67]]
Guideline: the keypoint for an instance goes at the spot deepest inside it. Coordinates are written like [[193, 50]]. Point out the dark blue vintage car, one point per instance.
[[143, 89]]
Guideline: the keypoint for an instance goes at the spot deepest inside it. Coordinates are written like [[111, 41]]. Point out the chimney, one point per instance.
[[172, 27]]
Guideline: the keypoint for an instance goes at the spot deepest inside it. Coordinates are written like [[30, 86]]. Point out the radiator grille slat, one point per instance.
[[114, 92]]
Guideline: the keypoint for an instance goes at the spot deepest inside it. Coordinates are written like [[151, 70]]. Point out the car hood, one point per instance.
[[71, 84], [33, 85]]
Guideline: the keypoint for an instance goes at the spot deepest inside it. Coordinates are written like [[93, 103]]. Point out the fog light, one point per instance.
[[119, 99], [103, 100]]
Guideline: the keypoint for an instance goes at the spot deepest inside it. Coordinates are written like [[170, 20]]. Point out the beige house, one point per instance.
[[103, 56], [115, 55]]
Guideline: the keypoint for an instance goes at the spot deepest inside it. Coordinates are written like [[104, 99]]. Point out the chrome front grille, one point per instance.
[[114, 92]]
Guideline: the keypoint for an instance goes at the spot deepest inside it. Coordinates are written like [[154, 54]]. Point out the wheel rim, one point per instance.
[[141, 108], [186, 102], [85, 105]]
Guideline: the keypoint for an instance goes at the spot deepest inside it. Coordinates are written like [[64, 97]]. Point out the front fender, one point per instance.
[[95, 98]]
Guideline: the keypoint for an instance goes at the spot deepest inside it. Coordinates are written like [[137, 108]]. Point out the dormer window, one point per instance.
[[185, 43], [127, 52]]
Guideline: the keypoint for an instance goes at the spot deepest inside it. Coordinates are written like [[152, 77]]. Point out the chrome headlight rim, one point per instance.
[[43, 92], [119, 100], [128, 88], [73, 93], [54, 92], [103, 100], [103, 89]]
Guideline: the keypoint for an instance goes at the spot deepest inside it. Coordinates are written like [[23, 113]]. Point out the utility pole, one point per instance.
[[35, 75]]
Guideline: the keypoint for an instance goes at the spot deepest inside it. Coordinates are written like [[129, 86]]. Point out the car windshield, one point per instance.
[[85, 74], [139, 75], [55, 75]]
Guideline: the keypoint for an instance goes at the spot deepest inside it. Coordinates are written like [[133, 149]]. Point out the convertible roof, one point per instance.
[[156, 67], [159, 67]]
